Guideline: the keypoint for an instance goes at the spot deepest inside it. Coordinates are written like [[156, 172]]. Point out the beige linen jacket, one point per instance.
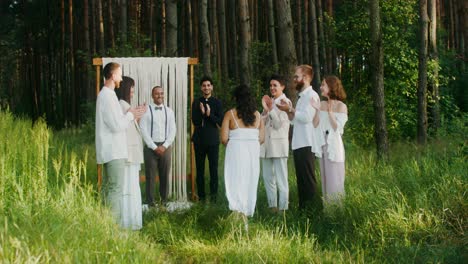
[[276, 143]]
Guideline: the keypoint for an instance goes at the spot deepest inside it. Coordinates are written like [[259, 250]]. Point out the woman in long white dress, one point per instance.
[[242, 132], [332, 119], [131, 211]]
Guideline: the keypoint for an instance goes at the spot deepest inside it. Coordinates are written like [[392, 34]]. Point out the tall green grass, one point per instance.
[[48, 210], [412, 208]]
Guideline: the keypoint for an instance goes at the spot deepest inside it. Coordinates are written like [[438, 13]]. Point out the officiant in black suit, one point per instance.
[[207, 116]]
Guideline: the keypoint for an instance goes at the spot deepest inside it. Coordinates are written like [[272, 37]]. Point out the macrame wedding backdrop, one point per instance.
[[171, 75]]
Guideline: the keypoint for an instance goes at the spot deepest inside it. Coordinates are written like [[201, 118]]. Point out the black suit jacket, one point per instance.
[[206, 127]]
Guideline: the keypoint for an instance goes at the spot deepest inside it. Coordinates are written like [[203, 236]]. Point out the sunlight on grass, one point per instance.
[[411, 209]]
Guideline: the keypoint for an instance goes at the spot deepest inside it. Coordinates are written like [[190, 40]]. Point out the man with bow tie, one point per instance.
[[158, 130]]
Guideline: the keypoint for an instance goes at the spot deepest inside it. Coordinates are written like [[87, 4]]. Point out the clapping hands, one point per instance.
[[204, 111], [202, 108], [284, 105], [267, 103], [138, 111]]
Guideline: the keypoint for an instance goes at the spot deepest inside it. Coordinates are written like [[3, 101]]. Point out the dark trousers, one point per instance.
[[212, 151], [157, 165], [304, 161]]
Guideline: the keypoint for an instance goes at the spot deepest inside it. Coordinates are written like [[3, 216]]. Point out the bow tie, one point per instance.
[[158, 108]]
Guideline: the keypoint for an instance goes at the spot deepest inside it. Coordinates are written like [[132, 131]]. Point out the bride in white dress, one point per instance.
[[131, 209], [242, 132]]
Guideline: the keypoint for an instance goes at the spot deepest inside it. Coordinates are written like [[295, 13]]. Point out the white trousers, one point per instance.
[[275, 178]]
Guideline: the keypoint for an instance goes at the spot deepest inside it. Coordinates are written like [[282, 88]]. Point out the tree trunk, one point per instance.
[[464, 29], [163, 28], [253, 15], [245, 41], [314, 47], [191, 41], [93, 27], [422, 76], [214, 38], [321, 41], [62, 20], [434, 55], [72, 64], [272, 34], [182, 48], [87, 61], [205, 36], [300, 57], [330, 36], [51, 56], [123, 21], [62, 66], [451, 27], [223, 38], [287, 52], [233, 40], [171, 27], [306, 34], [101, 28], [377, 73], [457, 25], [111, 24], [195, 27], [151, 29]]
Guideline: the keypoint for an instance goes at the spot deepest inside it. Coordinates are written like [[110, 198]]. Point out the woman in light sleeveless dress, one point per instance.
[[332, 119], [131, 209], [242, 132]]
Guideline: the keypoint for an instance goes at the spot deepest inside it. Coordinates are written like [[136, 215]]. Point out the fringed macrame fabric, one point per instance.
[[171, 75]]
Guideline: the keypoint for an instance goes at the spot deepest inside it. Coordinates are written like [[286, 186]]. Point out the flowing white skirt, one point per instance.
[[242, 170], [131, 215]]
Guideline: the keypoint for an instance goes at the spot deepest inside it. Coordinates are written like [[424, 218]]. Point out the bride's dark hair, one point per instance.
[[245, 104]]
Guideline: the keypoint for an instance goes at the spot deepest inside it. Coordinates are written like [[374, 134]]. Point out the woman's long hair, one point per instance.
[[123, 93], [336, 90], [245, 104]]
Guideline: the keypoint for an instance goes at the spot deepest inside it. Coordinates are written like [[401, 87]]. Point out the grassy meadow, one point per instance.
[[412, 208]]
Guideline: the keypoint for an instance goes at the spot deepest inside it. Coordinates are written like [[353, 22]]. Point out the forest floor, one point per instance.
[[412, 208]]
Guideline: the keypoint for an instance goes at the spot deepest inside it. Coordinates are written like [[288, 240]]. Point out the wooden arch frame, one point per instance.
[[191, 62]]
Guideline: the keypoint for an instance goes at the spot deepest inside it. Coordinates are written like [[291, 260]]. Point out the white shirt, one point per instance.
[[304, 133], [111, 126], [161, 132]]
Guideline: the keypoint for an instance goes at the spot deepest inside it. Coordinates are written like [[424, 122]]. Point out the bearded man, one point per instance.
[[306, 138]]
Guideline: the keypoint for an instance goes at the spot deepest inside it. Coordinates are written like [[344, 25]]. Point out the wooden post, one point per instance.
[[192, 148], [98, 77]]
